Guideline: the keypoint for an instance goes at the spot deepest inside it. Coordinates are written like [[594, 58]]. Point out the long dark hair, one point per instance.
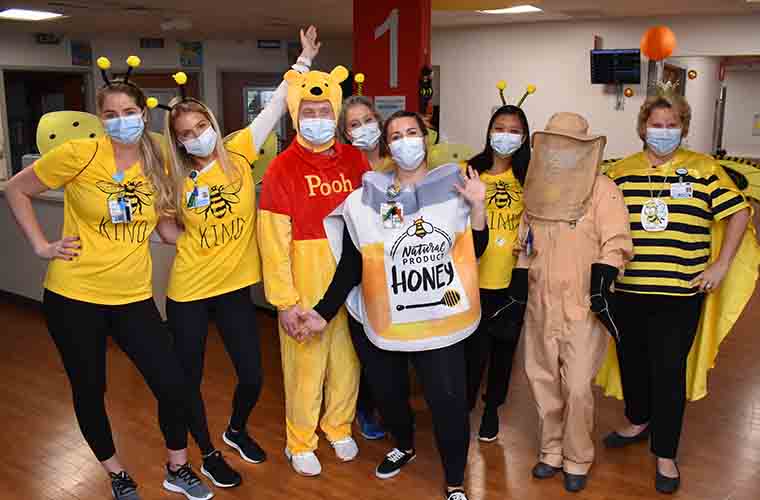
[[520, 159]]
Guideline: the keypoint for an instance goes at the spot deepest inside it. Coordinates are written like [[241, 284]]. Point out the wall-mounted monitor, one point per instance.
[[609, 66]]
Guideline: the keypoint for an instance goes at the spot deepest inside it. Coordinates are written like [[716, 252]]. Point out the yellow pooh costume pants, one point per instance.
[[321, 369]]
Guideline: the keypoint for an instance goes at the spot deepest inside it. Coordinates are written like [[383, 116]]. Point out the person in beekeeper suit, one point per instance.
[[575, 240]]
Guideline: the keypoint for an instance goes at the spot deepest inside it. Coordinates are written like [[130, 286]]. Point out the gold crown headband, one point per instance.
[[530, 89], [667, 89]]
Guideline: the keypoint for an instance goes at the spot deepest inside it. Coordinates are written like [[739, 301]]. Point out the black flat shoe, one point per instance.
[[615, 440], [575, 482], [545, 471], [667, 485]]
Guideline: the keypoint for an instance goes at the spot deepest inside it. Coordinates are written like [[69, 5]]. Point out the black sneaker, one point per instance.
[[221, 474], [456, 495], [249, 450], [489, 426], [393, 462], [123, 487]]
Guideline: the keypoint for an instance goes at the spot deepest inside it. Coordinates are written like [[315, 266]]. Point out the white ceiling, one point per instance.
[[244, 19]]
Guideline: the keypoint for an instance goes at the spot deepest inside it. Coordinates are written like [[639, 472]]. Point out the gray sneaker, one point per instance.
[[123, 487], [185, 481]]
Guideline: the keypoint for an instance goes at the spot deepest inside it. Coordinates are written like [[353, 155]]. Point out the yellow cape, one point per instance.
[[720, 311]]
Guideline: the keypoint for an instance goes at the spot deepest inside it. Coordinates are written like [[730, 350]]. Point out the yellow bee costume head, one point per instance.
[[315, 86]]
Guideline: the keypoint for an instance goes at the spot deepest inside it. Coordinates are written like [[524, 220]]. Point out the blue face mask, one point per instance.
[[317, 131], [663, 141], [125, 129]]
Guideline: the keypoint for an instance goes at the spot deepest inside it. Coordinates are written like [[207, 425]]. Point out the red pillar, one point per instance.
[[391, 47]]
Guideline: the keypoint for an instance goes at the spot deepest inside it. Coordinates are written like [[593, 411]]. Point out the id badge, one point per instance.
[[654, 216], [198, 197], [120, 211], [681, 190], [392, 214], [529, 243]]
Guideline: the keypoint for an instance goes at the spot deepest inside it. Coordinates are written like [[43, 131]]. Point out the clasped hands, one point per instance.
[[301, 324]]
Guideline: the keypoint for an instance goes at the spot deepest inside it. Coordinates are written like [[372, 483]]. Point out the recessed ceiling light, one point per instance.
[[518, 9], [28, 15]]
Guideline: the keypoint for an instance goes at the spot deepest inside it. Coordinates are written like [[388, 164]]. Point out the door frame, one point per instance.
[[87, 72], [275, 77]]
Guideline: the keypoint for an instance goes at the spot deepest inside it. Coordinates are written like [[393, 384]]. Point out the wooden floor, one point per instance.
[[43, 456]]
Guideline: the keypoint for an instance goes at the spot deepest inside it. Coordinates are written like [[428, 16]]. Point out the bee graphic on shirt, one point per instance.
[[221, 200], [420, 228], [501, 194], [136, 192]]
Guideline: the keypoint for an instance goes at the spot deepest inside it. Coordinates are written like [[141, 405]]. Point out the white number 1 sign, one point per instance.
[[391, 24]]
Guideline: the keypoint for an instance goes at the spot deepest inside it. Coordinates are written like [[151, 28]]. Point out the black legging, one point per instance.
[[236, 319], [497, 351], [442, 374], [80, 329]]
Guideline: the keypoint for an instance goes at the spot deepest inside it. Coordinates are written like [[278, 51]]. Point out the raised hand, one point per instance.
[[473, 190], [65, 249], [309, 44]]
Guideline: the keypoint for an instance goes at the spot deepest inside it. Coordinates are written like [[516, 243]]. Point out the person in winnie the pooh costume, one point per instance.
[[301, 187]]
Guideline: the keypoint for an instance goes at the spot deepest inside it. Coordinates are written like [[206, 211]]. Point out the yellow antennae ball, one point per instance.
[[133, 61], [501, 85], [180, 78], [104, 63], [531, 89], [359, 78], [151, 102]]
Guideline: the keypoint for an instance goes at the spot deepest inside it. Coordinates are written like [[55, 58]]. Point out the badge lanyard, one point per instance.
[[392, 211], [654, 212], [120, 208], [191, 200]]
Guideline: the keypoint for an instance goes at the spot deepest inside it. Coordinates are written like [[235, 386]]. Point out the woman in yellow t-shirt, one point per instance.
[[217, 257], [98, 282], [502, 165]]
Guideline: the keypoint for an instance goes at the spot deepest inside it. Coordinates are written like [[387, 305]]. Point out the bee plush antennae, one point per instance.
[[152, 102], [530, 89], [104, 64], [359, 79], [501, 85], [132, 63], [181, 79]]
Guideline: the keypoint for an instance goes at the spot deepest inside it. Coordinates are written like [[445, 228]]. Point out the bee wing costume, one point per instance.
[[573, 218]]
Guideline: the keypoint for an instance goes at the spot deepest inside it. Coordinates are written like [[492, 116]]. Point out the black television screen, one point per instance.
[[616, 66]]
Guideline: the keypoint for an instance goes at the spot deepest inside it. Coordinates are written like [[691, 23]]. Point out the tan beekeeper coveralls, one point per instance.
[[564, 343]]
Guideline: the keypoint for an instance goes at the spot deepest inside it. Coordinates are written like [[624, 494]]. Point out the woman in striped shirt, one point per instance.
[[675, 198]]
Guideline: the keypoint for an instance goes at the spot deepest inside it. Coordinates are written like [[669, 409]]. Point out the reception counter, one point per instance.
[[22, 272]]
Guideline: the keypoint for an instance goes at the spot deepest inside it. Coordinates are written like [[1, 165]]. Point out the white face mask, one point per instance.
[[317, 131], [408, 152], [366, 137], [505, 144], [203, 145], [125, 129], [663, 141]]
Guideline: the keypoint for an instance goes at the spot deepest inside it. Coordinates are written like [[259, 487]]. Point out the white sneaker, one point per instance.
[[346, 449], [306, 464]]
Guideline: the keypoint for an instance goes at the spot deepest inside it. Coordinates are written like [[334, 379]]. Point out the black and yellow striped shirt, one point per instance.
[[666, 261]]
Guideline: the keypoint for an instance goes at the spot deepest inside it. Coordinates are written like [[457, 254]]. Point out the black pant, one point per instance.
[[80, 329], [236, 319], [365, 403], [497, 351], [442, 374], [657, 333]]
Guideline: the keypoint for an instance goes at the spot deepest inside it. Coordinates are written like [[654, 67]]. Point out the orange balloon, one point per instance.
[[658, 43]]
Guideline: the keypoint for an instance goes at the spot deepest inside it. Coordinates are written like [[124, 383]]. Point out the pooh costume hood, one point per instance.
[[315, 86]]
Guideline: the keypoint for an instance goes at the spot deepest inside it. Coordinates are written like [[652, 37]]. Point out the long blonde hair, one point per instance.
[[181, 163], [151, 156]]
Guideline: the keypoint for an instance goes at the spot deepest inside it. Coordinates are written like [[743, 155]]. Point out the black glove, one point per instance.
[[513, 311], [602, 299]]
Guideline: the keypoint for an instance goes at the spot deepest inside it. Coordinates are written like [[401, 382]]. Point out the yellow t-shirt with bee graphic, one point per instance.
[[114, 264], [217, 252], [504, 205]]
